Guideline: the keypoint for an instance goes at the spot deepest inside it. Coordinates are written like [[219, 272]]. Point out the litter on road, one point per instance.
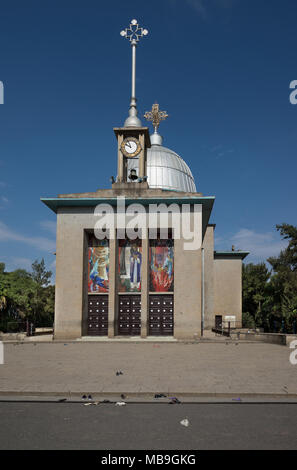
[[185, 422]]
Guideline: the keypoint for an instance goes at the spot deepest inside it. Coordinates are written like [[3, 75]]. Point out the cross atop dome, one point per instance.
[[156, 116]]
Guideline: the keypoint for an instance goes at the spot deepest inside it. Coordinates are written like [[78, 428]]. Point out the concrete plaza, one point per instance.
[[215, 369]]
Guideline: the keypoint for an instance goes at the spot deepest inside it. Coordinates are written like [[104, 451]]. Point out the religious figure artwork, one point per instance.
[[161, 266], [98, 272], [129, 269]]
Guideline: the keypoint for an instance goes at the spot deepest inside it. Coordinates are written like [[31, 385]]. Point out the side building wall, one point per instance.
[[228, 288]]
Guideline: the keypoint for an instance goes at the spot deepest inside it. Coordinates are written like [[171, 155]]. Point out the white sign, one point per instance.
[[231, 319]]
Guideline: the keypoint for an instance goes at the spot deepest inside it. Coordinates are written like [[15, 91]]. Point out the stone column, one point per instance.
[[141, 170], [112, 304], [120, 160], [144, 286]]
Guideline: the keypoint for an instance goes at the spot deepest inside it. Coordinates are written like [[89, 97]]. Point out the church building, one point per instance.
[[139, 256]]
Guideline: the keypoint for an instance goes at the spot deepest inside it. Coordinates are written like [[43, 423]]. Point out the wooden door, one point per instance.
[[97, 315], [129, 317], [161, 315]]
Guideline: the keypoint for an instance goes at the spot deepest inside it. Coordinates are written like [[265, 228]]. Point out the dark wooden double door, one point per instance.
[[129, 316], [97, 315], [161, 315]]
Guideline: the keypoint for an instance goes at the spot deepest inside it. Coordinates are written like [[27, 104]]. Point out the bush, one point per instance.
[[248, 320]]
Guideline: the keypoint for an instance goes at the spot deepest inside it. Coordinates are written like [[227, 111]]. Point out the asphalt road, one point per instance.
[[147, 426]]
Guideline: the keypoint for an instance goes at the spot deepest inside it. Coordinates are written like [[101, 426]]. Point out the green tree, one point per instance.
[[26, 296], [41, 302], [16, 290], [284, 278], [254, 294], [39, 273]]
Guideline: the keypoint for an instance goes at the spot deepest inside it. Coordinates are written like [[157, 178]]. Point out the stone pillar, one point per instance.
[[120, 160], [85, 285], [144, 286], [187, 292], [208, 245], [142, 169], [69, 277], [112, 301]]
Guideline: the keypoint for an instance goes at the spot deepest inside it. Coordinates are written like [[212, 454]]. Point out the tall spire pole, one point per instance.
[[134, 32]]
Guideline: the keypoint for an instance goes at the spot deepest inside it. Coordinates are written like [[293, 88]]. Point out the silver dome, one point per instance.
[[165, 168]]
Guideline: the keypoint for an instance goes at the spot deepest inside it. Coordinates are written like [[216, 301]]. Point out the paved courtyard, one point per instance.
[[210, 369]]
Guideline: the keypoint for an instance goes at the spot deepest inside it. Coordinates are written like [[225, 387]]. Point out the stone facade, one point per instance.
[[220, 294]]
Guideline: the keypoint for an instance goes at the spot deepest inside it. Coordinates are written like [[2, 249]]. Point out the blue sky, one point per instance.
[[220, 68]]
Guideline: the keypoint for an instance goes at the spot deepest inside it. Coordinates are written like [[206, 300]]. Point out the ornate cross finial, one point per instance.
[[156, 116], [134, 32]]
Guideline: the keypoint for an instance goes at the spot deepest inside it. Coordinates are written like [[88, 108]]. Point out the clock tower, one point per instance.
[[133, 139]]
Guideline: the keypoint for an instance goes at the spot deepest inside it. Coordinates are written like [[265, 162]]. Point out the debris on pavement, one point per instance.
[[120, 403], [174, 401], [160, 395], [62, 400], [106, 401], [185, 422], [236, 399]]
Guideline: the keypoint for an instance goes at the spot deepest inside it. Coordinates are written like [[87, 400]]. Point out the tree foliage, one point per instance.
[[26, 296], [270, 296]]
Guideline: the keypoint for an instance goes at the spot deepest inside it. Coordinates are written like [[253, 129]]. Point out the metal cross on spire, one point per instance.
[[134, 32], [156, 116]]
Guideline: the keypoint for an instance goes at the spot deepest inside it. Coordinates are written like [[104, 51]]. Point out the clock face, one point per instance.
[[130, 147]]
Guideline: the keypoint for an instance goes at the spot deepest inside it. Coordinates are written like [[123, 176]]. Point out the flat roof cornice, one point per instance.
[[230, 254], [58, 202]]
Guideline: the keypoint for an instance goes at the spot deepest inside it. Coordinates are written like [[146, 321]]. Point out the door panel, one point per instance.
[[129, 318], [97, 315], [161, 315]]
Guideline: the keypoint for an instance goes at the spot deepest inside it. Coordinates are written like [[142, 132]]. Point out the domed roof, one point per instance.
[[165, 168]]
